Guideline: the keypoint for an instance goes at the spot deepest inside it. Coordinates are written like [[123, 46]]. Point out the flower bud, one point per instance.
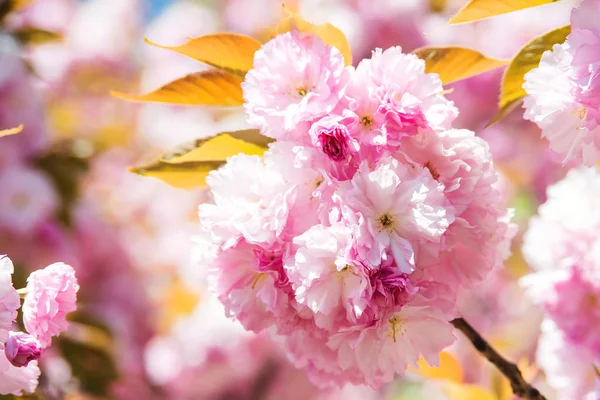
[[332, 138], [21, 348]]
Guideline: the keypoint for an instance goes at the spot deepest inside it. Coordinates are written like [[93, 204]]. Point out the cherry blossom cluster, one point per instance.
[[351, 238], [564, 91], [562, 246], [50, 294]]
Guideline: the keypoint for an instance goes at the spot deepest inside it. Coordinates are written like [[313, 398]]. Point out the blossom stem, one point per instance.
[[519, 386]]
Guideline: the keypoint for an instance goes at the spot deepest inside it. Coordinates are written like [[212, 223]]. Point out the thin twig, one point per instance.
[[519, 386]]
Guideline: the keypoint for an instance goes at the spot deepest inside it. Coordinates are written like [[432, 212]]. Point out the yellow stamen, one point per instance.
[[259, 276], [581, 113], [397, 327], [386, 222], [301, 91], [366, 121]]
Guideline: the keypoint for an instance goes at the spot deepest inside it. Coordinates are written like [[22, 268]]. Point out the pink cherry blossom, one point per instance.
[[326, 276], [351, 238], [51, 295], [21, 349], [9, 298], [479, 238], [296, 78], [16, 380], [585, 42], [257, 210], [392, 97], [403, 208], [564, 90], [396, 341], [251, 283]]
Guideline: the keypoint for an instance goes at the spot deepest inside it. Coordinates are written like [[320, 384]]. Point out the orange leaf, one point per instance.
[[184, 176], [327, 32], [188, 165], [213, 87], [456, 63], [528, 58], [229, 52], [481, 9]]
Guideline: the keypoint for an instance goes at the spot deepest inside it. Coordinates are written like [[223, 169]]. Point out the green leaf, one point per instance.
[[94, 368], [456, 63], [528, 58], [88, 346], [64, 170], [188, 166], [476, 10]]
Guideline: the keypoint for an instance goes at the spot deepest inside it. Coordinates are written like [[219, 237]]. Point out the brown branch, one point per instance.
[[519, 386]]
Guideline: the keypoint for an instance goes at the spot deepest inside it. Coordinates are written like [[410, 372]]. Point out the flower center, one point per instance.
[[20, 201], [581, 113], [342, 273], [257, 279], [386, 222], [301, 90], [367, 121], [434, 174], [397, 327]]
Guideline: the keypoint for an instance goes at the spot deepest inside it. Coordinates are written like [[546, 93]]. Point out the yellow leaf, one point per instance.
[[512, 92], [188, 166], [219, 147], [183, 176], [212, 87], [327, 32], [229, 52], [11, 131], [449, 368], [456, 391], [456, 63], [36, 36], [480, 9]]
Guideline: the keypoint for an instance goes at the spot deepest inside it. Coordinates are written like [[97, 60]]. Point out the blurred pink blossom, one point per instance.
[[27, 200]]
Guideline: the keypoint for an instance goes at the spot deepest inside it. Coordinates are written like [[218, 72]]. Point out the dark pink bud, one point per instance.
[[333, 140], [21, 348]]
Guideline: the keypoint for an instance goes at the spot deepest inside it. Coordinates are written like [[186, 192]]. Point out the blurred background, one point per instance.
[[146, 327]]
